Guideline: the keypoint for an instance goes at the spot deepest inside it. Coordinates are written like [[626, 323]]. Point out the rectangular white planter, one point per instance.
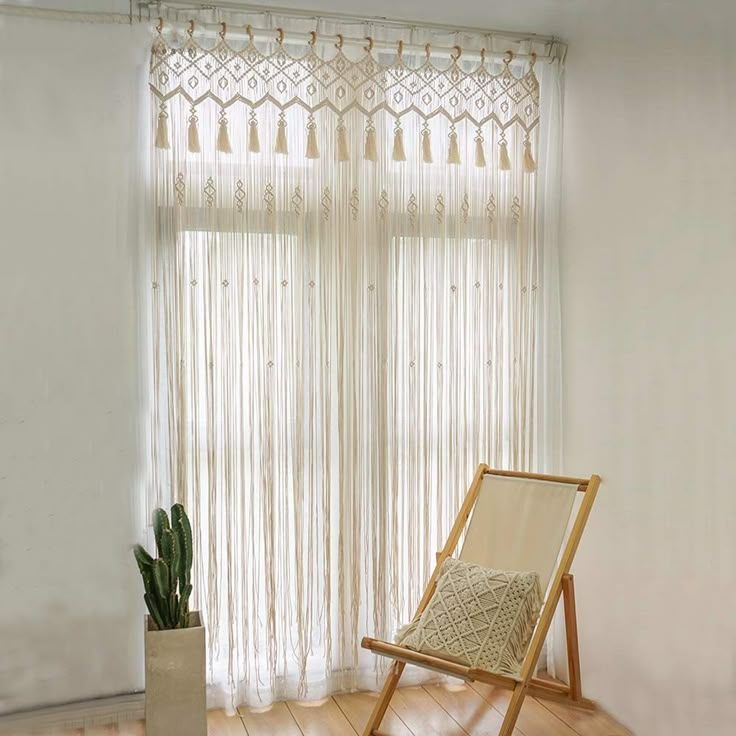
[[176, 701]]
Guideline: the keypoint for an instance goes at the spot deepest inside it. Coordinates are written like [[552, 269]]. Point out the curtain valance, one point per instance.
[[483, 95]]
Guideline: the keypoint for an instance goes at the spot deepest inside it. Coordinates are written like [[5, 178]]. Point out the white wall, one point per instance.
[[70, 603], [649, 346]]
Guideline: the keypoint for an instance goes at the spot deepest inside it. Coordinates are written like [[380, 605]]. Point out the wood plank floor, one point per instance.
[[432, 710]]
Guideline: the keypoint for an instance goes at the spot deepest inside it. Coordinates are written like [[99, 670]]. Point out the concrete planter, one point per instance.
[[176, 701]]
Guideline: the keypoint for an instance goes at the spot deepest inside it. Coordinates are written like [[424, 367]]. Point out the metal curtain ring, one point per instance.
[[340, 41], [428, 50], [223, 30], [313, 39], [160, 26], [369, 47], [280, 36], [249, 29], [510, 57], [459, 53]]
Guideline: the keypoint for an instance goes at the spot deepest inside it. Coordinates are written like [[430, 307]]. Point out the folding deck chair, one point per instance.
[[517, 522]]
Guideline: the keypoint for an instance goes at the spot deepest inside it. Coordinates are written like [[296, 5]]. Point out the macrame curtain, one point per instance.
[[352, 276]]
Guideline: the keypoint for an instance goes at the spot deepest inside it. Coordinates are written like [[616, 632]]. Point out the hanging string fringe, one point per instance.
[[504, 162], [223, 138], [398, 153], [193, 134], [342, 142], [162, 129], [453, 155], [254, 144], [480, 154], [530, 165], [282, 145], [426, 145], [312, 148], [371, 152]]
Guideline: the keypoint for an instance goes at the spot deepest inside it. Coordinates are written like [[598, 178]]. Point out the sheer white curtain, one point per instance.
[[342, 329]]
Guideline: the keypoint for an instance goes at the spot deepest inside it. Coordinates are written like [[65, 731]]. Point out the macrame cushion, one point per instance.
[[479, 617]]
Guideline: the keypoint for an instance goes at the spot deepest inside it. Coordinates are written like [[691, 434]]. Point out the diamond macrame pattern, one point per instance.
[[227, 76], [480, 617]]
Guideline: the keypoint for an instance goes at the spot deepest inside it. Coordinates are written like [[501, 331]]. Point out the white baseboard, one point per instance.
[[82, 714]]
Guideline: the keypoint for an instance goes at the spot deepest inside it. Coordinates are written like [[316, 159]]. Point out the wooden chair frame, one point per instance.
[[562, 584]]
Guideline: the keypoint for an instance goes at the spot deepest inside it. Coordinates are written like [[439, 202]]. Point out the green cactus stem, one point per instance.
[[167, 578]]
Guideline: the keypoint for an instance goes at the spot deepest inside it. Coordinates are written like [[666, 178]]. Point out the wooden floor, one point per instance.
[[432, 710]]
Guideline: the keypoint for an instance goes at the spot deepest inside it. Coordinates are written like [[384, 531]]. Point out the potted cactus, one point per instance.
[[174, 635]]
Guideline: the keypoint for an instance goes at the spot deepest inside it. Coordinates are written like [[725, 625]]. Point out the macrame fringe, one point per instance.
[[530, 165], [312, 147], [254, 144], [371, 152], [162, 130], [453, 155], [223, 137], [426, 147], [518, 642], [398, 153], [282, 145], [193, 135], [480, 154], [504, 161], [342, 143]]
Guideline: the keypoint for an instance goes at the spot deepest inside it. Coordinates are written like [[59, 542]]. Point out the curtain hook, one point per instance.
[[280, 36], [223, 30], [369, 47], [401, 50], [510, 58], [190, 30], [533, 61], [160, 26], [340, 41], [458, 54], [428, 50], [249, 29], [313, 39], [483, 56]]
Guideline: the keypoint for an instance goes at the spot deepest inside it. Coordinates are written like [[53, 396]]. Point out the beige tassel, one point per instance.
[[312, 148], [453, 155], [530, 165], [426, 145], [162, 129], [370, 153], [193, 134], [504, 161], [342, 143], [254, 144], [398, 152], [480, 154], [223, 138], [282, 145]]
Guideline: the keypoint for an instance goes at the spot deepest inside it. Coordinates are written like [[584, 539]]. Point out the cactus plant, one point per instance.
[[167, 579]]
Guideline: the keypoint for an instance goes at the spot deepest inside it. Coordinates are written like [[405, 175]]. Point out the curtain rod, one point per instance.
[[368, 43], [123, 19], [153, 7]]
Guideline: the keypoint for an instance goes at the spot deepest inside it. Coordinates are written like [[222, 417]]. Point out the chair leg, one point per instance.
[[571, 632], [381, 706], [512, 712]]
